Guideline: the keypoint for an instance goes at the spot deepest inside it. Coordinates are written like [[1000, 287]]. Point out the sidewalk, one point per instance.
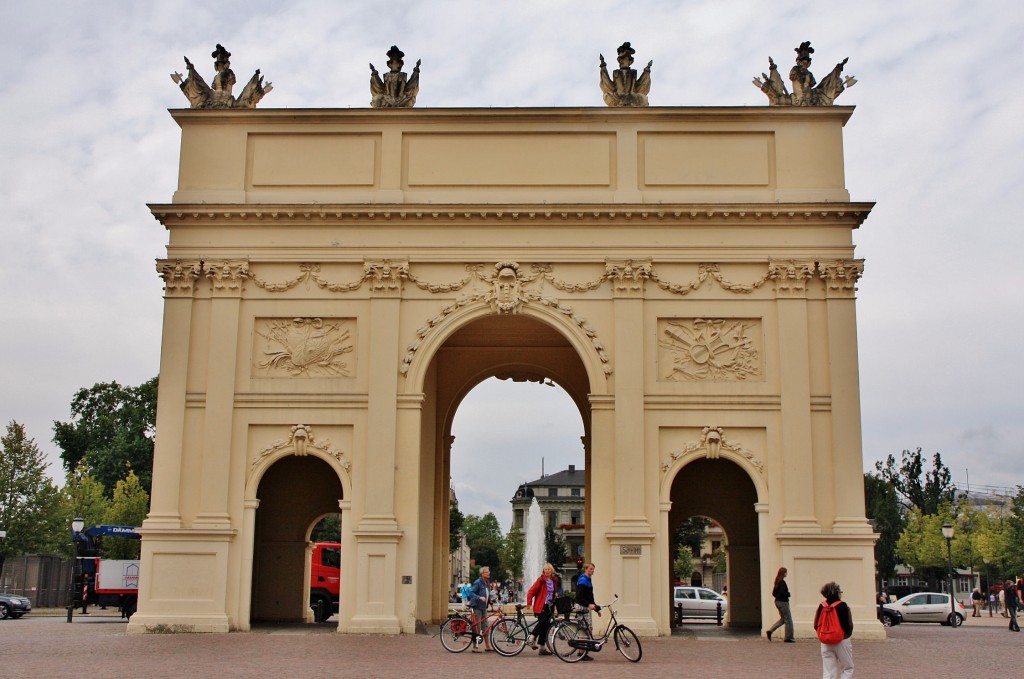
[[46, 646]]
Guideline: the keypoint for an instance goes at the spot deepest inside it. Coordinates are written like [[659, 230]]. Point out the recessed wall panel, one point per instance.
[[313, 160], [496, 160], [706, 159]]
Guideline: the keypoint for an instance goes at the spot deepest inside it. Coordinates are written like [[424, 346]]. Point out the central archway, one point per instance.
[[513, 346]]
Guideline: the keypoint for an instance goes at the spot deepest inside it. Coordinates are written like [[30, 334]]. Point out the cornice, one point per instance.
[[847, 215], [573, 116]]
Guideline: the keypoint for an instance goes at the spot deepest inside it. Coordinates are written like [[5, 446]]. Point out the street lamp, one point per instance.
[[947, 532], [988, 588], [77, 524]]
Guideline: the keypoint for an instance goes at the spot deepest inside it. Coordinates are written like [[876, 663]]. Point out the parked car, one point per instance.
[[698, 602], [888, 616], [927, 607], [13, 606]]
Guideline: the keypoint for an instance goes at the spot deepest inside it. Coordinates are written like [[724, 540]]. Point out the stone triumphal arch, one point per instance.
[[338, 280]]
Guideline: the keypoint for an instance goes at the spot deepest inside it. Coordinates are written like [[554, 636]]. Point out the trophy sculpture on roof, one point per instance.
[[806, 91], [624, 88], [395, 89], [201, 95]]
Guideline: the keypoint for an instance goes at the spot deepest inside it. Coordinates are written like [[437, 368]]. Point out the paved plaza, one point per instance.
[[97, 645]]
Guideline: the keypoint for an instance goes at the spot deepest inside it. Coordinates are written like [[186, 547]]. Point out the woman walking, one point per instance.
[[780, 592], [540, 598], [836, 656]]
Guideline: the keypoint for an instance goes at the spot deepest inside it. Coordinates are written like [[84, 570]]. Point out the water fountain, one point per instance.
[[533, 552]]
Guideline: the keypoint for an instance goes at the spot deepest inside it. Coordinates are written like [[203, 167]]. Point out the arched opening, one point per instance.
[[722, 491], [294, 494], [513, 347], [512, 441]]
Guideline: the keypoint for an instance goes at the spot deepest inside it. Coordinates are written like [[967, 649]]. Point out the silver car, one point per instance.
[[698, 602], [928, 607]]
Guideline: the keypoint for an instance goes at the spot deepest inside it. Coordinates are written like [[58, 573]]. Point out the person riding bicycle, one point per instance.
[[540, 597]]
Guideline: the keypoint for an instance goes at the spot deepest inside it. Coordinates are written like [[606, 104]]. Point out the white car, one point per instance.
[[928, 607], [698, 602]]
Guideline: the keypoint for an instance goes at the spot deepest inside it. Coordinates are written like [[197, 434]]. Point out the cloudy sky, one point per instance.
[[936, 141]]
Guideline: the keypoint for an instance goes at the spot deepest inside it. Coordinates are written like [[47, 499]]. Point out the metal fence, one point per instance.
[[43, 578]]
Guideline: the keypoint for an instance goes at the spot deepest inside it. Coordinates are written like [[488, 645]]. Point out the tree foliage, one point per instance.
[[555, 551], [30, 507], [128, 508], [926, 490], [111, 431], [327, 529], [455, 521], [510, 556], [483, 535], [882, 506], [691, 534]]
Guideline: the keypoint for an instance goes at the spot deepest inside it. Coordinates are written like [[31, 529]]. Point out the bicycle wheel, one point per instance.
[[560, 636], [456, 634], [508, 637], [628, 644]]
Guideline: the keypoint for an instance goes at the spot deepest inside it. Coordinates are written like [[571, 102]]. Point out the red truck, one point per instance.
[[325, 579]]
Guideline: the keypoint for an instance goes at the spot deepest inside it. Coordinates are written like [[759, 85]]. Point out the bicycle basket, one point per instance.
[[563, 605]]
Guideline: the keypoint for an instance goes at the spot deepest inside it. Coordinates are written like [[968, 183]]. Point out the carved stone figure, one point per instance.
[[806, 91], [394, 90], [201, 95], [624, 88]]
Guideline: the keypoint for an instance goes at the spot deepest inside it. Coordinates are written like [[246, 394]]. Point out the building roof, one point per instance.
[[567, 477]]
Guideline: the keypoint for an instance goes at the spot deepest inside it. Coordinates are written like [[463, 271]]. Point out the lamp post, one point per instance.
[[77, 524], [947, 532], [988, 588]]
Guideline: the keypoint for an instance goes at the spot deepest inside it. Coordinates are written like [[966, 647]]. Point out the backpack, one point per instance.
[[829, 629]]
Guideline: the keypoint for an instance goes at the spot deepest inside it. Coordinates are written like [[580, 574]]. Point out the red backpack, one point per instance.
[[829, 629]]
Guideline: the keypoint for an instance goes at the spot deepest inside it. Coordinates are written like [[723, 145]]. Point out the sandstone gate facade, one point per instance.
[[338, 280]]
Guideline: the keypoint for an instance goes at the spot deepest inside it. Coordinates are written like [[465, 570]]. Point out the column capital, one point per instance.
[[179, 276]]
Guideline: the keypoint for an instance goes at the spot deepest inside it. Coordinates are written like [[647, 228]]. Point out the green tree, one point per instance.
[[555, 551], [926, 490], [1014, 535], [111, 431], [328, 529], [483, 535], [882, 506], [455, 521], [923, 548], [83, 498], [510, 556], [128, 508], [691, 534], [30, 507]]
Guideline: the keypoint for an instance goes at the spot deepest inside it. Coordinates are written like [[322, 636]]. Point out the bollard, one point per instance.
[[679, 615], [718, 613]]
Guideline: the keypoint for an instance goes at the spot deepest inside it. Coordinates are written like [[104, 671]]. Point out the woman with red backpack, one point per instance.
[[834, 624]]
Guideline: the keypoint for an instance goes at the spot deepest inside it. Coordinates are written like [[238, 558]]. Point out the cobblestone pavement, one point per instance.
[[46, 646]]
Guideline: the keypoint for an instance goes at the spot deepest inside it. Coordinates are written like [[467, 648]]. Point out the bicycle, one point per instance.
[[460, 631], [510, 636], [573, 641]]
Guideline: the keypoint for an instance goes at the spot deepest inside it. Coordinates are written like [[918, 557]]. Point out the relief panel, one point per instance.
[[710, 350], [304, 347]]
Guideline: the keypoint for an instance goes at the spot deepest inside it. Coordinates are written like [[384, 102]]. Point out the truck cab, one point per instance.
[[325, 579]]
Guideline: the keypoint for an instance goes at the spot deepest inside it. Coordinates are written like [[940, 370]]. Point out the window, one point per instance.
[[575, 492], [519, 518], [552, 492], [553, 519], [575, 517]]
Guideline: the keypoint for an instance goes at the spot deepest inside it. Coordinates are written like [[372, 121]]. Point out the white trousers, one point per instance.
[[837, 660]]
